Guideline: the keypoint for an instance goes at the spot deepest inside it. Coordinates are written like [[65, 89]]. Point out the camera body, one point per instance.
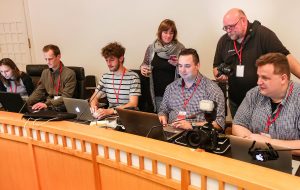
[[224, 69], [204, 137]]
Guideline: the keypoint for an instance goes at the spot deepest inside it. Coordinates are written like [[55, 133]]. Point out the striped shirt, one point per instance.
[[173, 100], [255, 109], [130, 86]]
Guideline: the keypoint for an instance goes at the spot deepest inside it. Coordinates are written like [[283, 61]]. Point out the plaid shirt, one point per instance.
[[173, 100], [255, 109]]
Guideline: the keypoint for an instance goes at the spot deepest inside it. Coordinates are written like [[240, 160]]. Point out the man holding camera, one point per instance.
[[270, 112], [238, 50], [180, 105]]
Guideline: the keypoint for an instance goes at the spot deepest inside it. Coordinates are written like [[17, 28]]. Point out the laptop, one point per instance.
[[13, 102], [239, 151], [79, 107], [146, 125]]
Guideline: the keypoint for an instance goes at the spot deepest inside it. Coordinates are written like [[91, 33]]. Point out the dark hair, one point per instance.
[[15, 70], [113, 49], [165, 25], [190, 51], [52, 47], [278, 60]]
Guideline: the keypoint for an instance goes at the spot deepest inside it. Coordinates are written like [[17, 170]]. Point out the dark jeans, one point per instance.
[[233, 108]]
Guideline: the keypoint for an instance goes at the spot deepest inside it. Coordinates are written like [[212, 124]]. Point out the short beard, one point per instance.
[[116, 68]]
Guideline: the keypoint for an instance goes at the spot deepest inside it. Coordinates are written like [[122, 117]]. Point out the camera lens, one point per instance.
[[194, 139]]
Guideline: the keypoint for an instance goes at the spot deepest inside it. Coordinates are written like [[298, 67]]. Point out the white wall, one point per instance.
[[82, 27]]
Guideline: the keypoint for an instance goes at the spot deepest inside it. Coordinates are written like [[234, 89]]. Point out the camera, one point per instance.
[[263, 155], [207, 137], [204, 137], [224, 69]]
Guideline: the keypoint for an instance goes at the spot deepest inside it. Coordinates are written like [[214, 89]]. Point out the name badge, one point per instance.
[[240, 70], [181, 115], [56, 97]]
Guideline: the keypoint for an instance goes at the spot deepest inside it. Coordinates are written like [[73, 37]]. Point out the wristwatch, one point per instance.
[[115, 111]]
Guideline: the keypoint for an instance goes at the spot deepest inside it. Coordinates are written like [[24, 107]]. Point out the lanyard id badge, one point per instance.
[[181, 115], [240, 70]]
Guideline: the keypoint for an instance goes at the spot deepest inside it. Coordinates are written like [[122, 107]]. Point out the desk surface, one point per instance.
[[105, 150]]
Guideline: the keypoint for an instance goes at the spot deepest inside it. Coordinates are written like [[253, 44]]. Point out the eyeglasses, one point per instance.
[[232, 26]]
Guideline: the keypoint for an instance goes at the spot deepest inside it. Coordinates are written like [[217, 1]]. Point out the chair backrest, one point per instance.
[[35, 72], [90, 85], [80, 86]]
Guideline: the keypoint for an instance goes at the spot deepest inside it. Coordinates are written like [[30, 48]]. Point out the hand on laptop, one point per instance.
[[39, 106], [163, 120], [183, 124], [100, 113]]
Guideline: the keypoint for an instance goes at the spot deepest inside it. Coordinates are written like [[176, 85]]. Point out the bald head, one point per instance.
[[234, 14], [235, 24]]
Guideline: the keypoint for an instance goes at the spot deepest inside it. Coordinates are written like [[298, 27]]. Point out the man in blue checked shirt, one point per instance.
[[270, 112], [180, 105]]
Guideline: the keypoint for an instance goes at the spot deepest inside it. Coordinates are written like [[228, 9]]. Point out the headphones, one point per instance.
[[263, 155]]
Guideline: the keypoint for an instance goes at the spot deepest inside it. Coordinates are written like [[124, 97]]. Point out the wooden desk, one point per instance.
[[65, 155]]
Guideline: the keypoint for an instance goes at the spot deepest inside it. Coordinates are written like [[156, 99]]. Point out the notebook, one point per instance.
[[13, 102], [239, 151], [79, 107], [147, 125]]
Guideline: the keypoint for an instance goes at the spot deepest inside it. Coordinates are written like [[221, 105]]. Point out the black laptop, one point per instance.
[[13, 102], [239, 151], [147, 125]]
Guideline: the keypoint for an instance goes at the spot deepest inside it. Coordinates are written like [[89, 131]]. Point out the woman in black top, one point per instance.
[[160, 61], [14, 80]]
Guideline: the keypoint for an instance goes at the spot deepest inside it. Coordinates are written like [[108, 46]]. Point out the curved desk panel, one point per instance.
[[66, 155]]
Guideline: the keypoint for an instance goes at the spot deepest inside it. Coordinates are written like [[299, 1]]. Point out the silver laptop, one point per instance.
[[239, 151], [79, 107], [147, 125]]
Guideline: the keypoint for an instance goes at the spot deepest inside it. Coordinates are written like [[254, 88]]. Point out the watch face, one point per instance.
[[115, 111]]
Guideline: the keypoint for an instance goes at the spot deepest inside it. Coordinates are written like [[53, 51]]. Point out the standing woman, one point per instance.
[[14, 80], [160, 61]]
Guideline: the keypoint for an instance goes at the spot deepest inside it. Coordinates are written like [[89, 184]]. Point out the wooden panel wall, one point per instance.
[[65, 155]]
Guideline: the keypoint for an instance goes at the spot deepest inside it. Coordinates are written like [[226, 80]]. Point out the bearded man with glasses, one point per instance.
[[243, 43]]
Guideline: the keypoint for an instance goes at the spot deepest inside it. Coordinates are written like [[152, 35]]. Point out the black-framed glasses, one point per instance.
[[232, 26]]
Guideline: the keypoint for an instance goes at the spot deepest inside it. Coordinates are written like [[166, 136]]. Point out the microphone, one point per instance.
[[99, 89], [23, 106], [91, 99]]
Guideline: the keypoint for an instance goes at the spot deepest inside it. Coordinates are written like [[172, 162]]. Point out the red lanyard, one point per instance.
[[11, 90], [270, 121], [117, 93], [239, 52], [56, 87], [187, 100]]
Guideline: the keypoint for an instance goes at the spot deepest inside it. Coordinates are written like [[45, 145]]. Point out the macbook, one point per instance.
[[239, 151], [147, 125], [79, 107]]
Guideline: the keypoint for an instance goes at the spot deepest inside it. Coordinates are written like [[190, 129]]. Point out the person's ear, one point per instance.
[[284, 78], [121, 59]]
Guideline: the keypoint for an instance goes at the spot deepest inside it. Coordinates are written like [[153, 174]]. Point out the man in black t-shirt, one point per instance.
[[243, 43]]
